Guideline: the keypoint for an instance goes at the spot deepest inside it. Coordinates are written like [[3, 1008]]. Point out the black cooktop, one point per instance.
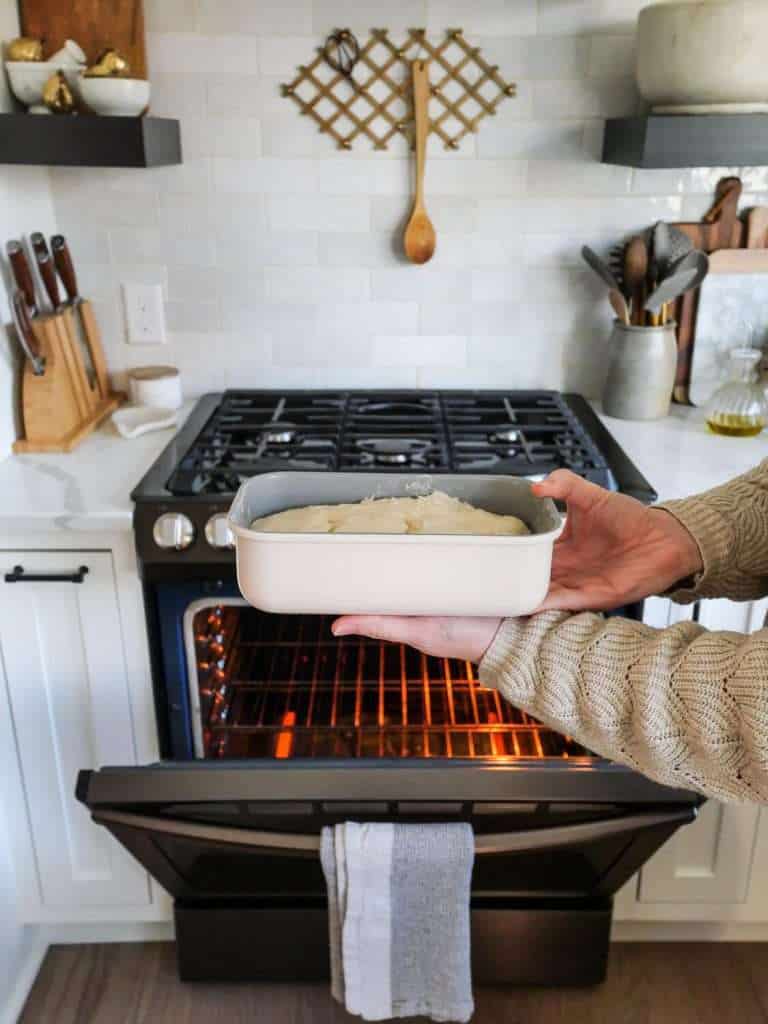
[[232, 436]]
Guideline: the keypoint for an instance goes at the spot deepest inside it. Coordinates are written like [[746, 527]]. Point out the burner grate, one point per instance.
[[523, 433], [283, 687]]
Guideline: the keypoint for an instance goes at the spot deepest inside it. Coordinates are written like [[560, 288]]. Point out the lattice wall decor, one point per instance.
[[373, 99]]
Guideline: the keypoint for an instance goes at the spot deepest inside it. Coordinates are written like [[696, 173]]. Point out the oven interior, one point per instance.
[[282, 687]]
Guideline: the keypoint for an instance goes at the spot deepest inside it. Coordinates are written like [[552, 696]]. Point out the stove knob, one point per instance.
[[173, 530], [218, 533]]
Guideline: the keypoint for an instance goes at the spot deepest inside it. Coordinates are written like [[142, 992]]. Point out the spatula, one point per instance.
[[619, 305], [669, 290], [419, 240], [601, 268]]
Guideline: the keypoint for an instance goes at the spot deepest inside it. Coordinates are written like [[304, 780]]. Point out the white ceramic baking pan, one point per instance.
[[392, 574]]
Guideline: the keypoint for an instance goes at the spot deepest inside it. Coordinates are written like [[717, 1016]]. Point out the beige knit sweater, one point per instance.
[[685, 706]]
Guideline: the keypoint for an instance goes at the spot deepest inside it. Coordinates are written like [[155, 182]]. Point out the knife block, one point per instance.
[[65, 403]]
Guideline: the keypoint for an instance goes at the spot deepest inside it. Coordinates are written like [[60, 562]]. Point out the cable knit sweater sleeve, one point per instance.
[[685, 706], [682, 705], [730, 525]]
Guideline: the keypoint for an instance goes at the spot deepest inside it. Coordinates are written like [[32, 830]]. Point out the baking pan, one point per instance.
[[392, 574]]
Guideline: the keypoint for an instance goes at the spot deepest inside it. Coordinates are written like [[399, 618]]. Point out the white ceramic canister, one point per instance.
[[642, 372], [704, 57], [156, 386]]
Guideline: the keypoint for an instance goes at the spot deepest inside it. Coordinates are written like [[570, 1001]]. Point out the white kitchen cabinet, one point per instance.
[[706, 871], [67, 686]]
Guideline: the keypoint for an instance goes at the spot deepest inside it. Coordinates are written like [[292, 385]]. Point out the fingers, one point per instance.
[[398, 628], [563, 485], [445, 637]]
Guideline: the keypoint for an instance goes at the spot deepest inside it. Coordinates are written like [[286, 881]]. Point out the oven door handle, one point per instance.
[[309, 845]]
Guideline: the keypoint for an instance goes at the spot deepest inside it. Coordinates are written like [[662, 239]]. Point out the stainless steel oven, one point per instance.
[[271, 728]]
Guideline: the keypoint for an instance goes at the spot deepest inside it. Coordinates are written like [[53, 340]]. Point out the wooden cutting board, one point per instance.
[[94, 24]]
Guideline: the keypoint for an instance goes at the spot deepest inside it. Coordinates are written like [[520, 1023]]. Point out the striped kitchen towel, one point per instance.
[[398, 918]]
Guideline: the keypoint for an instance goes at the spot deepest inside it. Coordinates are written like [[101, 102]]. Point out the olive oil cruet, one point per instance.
[[738, 407]]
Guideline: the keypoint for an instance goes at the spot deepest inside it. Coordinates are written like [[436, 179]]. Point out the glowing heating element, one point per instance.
[[283, 687]]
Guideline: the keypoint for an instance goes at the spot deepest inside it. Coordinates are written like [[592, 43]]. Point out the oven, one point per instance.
[[270, 728]]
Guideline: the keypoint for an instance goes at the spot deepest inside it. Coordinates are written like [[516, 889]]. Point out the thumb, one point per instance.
[[563, 485]]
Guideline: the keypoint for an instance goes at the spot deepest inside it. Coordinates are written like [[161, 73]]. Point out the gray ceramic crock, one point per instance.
[[642, 372]]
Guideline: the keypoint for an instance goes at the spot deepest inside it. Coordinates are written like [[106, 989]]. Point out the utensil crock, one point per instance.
[[642, 372]]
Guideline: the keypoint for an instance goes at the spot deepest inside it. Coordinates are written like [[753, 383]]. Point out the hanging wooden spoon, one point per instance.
[[419, 237]]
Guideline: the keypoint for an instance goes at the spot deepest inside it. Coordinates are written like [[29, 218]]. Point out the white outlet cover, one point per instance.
[[144, 314]]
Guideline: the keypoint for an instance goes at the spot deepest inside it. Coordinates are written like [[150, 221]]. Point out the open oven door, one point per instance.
[[237, 846]]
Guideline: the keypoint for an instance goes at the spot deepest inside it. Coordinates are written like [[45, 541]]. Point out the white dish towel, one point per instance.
[[398, 911]]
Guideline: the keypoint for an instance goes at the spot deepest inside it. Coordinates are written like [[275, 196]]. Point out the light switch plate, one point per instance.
[[144, 314]]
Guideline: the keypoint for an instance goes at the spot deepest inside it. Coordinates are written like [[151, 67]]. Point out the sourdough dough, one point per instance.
[[436, 513]]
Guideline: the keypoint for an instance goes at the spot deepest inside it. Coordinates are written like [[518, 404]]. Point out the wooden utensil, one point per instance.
[[757, 227], [720, 229], [635, 271], [619, 305], [419, 240]]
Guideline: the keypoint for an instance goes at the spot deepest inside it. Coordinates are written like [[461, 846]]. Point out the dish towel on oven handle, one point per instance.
[[398, 918]]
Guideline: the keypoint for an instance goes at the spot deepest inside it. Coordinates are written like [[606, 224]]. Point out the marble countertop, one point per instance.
[[89, 489]]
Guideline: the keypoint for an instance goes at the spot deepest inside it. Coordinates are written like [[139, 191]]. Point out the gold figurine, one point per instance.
[[57, 95], [24, 48], [111, 64]]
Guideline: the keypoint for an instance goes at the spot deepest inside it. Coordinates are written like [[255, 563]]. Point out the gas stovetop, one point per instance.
[[524, 433], [183, 499]]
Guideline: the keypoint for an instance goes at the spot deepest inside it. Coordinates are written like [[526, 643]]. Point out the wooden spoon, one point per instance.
[[635, 271], [420, 238], [619, 305]]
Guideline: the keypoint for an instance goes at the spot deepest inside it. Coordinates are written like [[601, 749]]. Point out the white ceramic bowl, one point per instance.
[[704, 57], [117, 97], [28, 77]]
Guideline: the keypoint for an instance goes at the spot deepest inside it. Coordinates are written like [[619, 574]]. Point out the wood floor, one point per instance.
[[647, 984]]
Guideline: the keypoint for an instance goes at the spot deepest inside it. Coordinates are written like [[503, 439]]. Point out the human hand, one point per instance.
[[465, 638], [613, 550]]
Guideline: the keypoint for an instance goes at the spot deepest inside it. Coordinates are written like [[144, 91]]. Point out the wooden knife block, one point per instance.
[[61, 406]]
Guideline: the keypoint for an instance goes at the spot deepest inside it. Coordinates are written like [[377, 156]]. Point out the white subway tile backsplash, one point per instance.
[[523, 140], [320, 348], [171, 15], [428, 283], [420, 350], [369, 249], [612, 56], [446, 318], [281, 55], [316, 284], [281, 256], [194, 315], [182, 52], [452, 214], [232, 95], [577, 177], [327, 213], [266, 18], [264, 176], [484, 17]]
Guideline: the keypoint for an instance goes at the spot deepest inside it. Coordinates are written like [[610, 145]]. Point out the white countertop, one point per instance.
[[83, 490], [89, 489]]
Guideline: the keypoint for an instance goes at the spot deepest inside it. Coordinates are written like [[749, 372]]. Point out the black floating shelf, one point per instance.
[[687, 140], [89, 141]]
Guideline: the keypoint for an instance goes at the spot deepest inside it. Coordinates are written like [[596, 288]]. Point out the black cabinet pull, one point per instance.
[[19, 576]]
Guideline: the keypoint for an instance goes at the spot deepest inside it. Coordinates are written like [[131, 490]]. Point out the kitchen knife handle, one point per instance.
[[39, 244], [48, 274], [22, 273], [25, 332], [64, 265]]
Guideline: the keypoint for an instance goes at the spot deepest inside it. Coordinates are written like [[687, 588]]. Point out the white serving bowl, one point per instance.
[[117, 97], [704, 57], [28, 77]]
